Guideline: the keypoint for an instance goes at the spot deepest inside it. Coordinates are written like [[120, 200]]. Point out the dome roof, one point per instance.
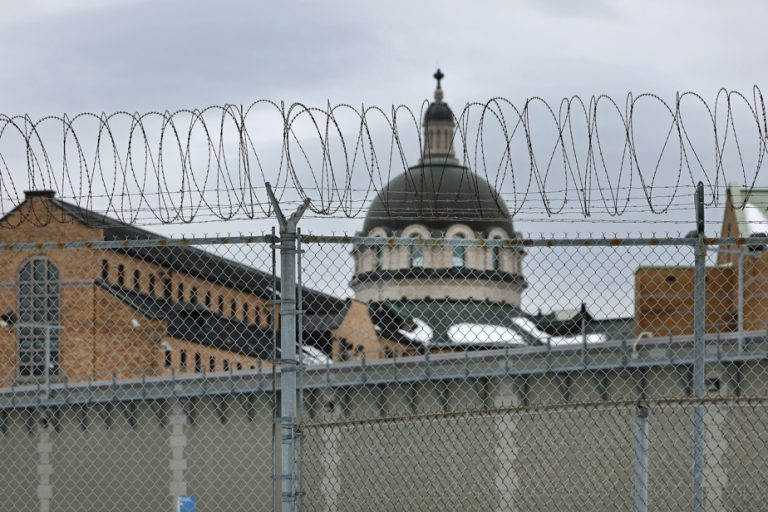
[[438, 195], [438, 111]]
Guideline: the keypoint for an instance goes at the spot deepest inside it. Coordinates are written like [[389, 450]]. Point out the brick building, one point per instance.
[[735, 285], [94, 313]]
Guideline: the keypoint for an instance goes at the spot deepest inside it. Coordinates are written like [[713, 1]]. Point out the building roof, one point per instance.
[[438, 195], [481, 325], [750, 206], [439, 192], [450, 323], [198, 324], [190, 260]]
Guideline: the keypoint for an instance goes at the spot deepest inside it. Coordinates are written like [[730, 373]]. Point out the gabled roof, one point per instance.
[[189, 260], [750, 206]]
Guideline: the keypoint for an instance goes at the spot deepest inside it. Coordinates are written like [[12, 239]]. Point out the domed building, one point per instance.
[[435, 284]]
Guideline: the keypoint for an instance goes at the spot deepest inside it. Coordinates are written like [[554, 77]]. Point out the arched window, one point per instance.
[[495, 258], [39, 303], [417, 254], [121, 275], [458, 252]]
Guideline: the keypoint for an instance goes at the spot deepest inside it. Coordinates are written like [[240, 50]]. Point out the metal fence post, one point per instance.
[[641, 458], [288, 343], [699, 297]]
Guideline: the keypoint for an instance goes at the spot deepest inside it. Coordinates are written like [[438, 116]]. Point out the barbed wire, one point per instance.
[[575, 156]]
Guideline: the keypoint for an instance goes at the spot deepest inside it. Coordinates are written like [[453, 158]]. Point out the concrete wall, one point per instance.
[[419, 439], [138, 456]]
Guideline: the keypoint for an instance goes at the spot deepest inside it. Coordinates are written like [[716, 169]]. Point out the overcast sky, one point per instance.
[[135, 55]]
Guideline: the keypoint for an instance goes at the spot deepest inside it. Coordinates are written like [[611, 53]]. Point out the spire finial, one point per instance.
[[438, 76]]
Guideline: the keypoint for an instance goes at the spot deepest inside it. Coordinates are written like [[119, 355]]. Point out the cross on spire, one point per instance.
[[438, 76]]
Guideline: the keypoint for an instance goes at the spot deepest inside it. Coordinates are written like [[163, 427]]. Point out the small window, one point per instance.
[[105, 270], [458, 252], [495, 258], [226, 365], [137, 280], [183, 359], [207, 299], [239, 366], [221, 304], [167, 288], [246, 311], [180, 292], [198, 362], [389, 353], [417, 254], [121, 275], [211, 364], [670, 279], [152, 284], [233, 308], [168, 359], [193, 295]]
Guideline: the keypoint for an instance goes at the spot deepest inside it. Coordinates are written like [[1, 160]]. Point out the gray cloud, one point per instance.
[[139, 55]]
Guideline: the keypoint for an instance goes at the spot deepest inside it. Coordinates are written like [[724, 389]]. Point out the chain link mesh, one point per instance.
[[451, 374]]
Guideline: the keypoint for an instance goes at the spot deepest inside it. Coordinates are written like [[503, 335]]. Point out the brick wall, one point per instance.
[[664, 300], [99, 337]]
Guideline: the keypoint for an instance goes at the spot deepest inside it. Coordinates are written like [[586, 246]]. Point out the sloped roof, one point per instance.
[[396, 318], [750, 207], [198, 324], [190, 260]]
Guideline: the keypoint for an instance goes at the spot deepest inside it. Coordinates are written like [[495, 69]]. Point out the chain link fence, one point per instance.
[[431, 373]]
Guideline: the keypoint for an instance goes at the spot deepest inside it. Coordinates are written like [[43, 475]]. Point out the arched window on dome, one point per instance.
[[459, 251], [417, 253], [495, 258], [378, 252], [496, 255]]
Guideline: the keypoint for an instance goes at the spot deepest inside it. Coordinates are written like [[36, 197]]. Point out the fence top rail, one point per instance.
[[498, 354], [383, 241], [530, 242]]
